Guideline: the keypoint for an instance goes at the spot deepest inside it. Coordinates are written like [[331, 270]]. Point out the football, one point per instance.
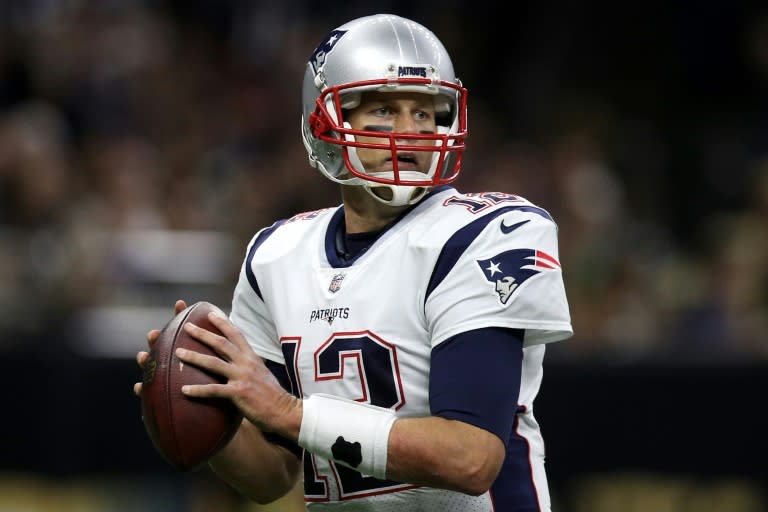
[[186, 431]]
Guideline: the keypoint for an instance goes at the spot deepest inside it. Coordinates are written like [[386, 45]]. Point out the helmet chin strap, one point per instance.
[[401, 195]]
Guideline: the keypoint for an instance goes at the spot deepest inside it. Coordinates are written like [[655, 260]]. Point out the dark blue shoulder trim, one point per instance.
[[259, 240], [463, 238]]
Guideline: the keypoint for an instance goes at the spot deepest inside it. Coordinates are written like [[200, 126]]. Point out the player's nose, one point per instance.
[[405, 123]]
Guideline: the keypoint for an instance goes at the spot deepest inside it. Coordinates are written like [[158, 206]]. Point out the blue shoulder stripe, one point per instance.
[[259, 240], [463, 238]]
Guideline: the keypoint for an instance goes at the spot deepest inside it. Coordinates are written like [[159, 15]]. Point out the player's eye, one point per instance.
[[382, 111]]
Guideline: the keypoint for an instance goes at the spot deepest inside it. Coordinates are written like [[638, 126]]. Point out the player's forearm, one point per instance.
[[258, 469], [442, 453], [430, 451]]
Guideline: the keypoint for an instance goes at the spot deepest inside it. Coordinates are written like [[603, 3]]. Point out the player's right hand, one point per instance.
[[141, 357]]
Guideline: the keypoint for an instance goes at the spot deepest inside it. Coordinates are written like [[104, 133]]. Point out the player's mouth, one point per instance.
[[405, 162]]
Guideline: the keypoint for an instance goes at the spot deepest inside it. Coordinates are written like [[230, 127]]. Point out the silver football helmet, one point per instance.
[[384, 53]]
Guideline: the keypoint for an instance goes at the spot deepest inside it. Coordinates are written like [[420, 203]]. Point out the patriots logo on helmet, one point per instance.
[[318, 57], [510, 269]]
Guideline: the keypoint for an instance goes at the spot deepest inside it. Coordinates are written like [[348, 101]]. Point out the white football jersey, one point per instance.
[[364, 329]]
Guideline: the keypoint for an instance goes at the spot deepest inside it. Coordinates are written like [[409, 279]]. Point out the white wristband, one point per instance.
[[351, 433]]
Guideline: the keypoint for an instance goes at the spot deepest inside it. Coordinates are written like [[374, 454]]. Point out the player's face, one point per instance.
[[400, 112]]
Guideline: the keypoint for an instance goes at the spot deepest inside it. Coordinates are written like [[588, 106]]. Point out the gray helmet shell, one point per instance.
[[382, 46]]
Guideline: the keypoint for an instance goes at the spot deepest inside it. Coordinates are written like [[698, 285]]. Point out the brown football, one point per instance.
[[186, 431]]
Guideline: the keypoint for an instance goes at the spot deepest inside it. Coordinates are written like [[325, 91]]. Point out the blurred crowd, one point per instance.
[[123, 123]]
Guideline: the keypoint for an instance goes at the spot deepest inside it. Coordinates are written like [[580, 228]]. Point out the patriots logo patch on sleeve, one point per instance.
[[510, 269]]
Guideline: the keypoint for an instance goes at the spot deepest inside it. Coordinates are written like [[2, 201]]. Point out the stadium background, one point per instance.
[[143, 142]]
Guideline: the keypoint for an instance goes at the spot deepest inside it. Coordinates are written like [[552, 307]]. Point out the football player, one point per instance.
[[389, 350]]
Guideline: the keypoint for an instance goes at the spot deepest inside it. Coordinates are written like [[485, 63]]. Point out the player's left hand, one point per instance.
[[143, 356], [250, 384]]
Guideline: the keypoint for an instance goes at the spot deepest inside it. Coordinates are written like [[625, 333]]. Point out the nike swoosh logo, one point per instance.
[[508, 229]]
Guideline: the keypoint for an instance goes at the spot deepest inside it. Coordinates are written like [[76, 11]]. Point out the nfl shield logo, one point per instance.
[[336, 283]]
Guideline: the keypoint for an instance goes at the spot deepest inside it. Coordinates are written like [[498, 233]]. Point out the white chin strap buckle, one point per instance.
[[396, 195]]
